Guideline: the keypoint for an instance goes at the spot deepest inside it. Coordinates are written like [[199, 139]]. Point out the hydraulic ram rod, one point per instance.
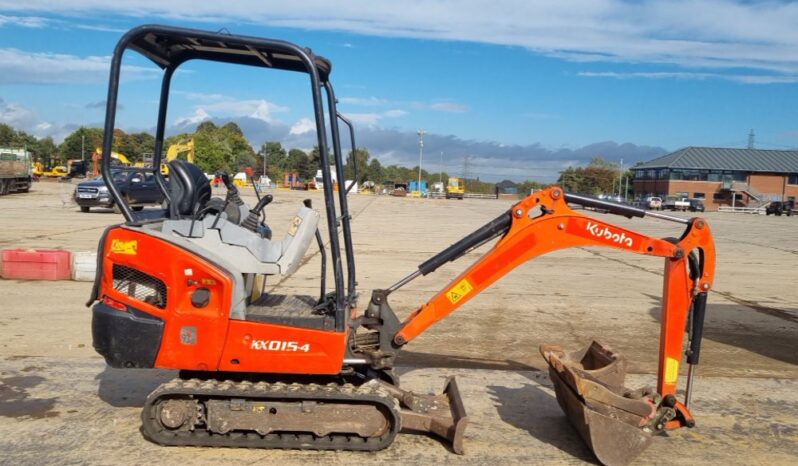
[[620, 209], [496, 227]]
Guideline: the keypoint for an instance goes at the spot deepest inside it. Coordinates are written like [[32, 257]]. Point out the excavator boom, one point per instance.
[[542, 223]]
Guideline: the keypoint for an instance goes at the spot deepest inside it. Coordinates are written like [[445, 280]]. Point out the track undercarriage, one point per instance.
[[309, 416]]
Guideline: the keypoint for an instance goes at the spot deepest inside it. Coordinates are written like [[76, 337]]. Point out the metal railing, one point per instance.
[[742, 210]]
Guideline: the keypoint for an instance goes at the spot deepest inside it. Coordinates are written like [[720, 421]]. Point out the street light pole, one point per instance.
[[420, 156], [440, 175]]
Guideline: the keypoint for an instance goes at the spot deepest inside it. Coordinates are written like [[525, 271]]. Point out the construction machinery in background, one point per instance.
[[115, 159], [16, 170], [183, 150], [184, 288], [455, 189]]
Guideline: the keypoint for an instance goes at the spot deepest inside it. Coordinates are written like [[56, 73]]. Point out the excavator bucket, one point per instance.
[[442, 415], [611, 419]]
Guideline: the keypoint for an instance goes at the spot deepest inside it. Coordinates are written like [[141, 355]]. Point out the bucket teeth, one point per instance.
[[611, 419]]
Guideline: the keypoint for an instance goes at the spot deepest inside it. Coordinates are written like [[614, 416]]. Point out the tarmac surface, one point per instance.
[[60, 404]]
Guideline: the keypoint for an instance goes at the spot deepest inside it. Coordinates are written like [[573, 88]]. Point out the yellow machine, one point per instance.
[[38, 169], [59, 171], [174, 151], [97, 156], [455, 189]]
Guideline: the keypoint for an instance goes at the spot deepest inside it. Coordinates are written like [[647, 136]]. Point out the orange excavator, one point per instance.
[[184, 288]]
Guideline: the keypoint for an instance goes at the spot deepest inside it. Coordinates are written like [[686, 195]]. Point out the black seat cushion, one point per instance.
[[189, 187]]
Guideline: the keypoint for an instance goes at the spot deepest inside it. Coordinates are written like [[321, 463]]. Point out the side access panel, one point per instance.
[[160, 279], [263, 347]]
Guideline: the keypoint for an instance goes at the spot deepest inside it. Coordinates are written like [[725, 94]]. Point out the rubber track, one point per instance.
[[368, 393]]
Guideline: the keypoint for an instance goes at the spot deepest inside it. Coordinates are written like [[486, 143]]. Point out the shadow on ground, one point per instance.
[[128, 388], [533, 409], [415, 359], [767, 331]]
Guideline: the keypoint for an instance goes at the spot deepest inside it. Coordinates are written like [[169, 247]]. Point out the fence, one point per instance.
[[742, 210]]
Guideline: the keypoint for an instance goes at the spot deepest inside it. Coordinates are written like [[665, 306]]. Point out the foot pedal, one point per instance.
[[613, 421]]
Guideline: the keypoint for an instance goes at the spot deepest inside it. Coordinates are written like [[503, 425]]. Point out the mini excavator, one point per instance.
[[184, 288]]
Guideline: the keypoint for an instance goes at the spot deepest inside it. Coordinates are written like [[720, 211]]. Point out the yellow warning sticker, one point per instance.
[[129, 248], [671, 370], [457, 292], [294, 225]]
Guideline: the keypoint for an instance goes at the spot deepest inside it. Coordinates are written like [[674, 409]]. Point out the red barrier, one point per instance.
[[36, 264]]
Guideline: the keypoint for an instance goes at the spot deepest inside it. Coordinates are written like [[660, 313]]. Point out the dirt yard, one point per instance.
[[60, 404]]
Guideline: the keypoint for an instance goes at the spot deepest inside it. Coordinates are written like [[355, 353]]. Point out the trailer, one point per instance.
[[16, 170]]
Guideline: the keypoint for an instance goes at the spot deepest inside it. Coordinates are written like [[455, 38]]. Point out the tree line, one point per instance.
[[225, 148]]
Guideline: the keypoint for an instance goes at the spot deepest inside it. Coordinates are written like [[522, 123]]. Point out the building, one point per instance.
[[719, 176], [506, 189]]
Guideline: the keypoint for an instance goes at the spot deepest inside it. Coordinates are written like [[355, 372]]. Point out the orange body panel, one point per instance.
[[216, 340], [260, 347]]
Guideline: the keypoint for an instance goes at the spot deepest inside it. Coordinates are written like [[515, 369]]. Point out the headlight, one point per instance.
[[103, 189]]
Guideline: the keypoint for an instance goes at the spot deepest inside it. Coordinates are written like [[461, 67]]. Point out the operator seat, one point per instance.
[[189, 188]]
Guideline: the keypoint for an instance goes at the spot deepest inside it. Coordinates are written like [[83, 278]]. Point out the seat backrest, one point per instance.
[[189, 189], [295, 243]]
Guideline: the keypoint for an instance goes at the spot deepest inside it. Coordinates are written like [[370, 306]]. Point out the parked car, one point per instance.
[[651, 202], [696, 205], [778, 208], [673, 203], [137, 186]]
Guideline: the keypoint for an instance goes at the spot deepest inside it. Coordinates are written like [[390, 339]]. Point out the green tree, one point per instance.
[[598, 177], [275, 156], [375, 171], [82, 141], [361, 156]]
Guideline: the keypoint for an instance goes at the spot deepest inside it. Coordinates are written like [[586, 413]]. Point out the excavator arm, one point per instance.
[[541, 223]]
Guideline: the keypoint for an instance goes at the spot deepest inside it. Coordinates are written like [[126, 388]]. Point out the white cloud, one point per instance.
[[304, 125], [721, 34], [201, 96], [362, 101], [23, 21], [22, 118], [438, 105], [21, 67], [197, 117], [450, 107], [741, 78], [373, 118], [220, 106], [15, 115], [100, 28]]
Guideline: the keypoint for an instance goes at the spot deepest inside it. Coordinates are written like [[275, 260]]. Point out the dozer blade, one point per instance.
[[611, 419], [442, 415]]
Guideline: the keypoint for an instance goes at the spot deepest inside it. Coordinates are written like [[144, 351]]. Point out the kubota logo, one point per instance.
[[604, 232]]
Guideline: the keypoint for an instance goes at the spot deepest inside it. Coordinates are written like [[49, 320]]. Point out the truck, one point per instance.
[[16, 170], [455, 188], [676, 203]]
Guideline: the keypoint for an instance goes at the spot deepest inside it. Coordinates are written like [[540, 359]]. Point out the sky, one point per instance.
[[502, 89]]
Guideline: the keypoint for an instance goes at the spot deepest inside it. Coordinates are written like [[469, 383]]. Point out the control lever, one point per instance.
[[252, 222], [232, 190]]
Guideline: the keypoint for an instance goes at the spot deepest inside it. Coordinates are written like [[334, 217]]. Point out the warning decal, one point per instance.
[[671, 370], [129, 248], [458, 291]]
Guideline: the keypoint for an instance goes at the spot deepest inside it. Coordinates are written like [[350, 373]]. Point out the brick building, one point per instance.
[[739, 177]]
